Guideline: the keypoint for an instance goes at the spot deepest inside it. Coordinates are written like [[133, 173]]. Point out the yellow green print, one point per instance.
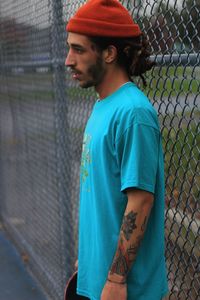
[[86, 159]]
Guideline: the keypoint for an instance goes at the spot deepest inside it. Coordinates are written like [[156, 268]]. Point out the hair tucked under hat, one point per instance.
[[106, 18]]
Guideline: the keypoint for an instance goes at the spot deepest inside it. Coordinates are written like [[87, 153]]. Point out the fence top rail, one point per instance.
[[190, 59]]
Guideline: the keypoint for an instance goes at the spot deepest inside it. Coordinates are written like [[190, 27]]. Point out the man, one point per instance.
[[121, 228]]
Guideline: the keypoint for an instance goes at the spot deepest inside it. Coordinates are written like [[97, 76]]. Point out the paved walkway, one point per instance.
[[15, 281]]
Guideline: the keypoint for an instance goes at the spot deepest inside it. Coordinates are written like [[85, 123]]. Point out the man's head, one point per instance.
[[86, 63], [102, 34]]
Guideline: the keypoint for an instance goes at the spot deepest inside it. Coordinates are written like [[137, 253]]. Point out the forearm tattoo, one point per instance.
[[143, 227], [120, 263], [129, 225], [128, 245]]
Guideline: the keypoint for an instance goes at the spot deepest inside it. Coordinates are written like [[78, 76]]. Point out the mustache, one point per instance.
[[75, 71]]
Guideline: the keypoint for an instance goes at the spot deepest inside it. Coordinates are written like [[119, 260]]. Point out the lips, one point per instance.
[[75, 75]]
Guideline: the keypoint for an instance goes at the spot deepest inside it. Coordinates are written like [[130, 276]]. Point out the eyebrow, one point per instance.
[[75, 46]]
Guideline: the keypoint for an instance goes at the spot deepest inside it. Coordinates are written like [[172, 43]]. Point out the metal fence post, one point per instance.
[[62, 138]]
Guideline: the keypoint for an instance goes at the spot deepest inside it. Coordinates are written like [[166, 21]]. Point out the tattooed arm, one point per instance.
[[132, 230]]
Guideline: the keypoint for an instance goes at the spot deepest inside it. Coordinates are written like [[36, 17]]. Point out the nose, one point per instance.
[[70, 61]]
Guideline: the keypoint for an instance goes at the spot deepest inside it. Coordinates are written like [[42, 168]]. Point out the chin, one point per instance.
[[86, 85]]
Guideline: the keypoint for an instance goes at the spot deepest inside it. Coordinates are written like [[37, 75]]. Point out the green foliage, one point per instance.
[[172, 81], [182, 149], [183, 20]]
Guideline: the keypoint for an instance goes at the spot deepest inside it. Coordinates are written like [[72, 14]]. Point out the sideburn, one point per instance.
[[97, 71]]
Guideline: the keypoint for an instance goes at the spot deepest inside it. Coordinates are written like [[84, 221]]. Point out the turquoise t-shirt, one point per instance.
[[121, 149]]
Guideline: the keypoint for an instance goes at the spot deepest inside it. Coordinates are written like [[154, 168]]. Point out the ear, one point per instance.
[[110, 54]]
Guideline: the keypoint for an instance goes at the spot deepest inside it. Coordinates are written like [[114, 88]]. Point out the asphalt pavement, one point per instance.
[[15, 281]]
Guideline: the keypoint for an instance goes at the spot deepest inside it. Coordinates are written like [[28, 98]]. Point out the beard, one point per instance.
[[95, 74]]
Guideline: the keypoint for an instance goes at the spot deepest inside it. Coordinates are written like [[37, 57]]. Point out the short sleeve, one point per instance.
[[137, 153]]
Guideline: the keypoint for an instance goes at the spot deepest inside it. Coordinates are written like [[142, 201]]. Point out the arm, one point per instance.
[[132, 231]]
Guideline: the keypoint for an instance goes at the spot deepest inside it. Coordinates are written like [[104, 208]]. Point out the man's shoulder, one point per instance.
[[132, 97], [133, 106]]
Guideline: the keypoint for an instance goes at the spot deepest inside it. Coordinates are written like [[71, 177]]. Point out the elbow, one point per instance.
[[140, 198]]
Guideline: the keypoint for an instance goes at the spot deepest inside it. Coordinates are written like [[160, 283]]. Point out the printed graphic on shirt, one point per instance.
[[86, 159]]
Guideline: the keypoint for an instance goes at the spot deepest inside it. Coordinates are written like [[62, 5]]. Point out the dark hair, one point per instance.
[[133, 53]]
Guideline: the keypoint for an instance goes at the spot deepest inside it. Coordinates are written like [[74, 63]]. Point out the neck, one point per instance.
[[111, 82]]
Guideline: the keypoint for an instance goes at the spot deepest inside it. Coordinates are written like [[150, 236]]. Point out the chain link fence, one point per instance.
[[42, 118]]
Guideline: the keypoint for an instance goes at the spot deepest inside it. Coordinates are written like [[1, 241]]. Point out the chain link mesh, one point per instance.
[[42, 118]]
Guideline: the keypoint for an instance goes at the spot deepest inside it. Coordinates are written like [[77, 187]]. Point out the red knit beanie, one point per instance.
[[105, 18]]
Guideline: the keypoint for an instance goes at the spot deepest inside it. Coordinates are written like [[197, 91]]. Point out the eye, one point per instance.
[[79, 50], [76, 48]]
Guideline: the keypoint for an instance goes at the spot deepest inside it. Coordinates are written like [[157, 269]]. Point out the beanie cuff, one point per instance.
[[101, 28]]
